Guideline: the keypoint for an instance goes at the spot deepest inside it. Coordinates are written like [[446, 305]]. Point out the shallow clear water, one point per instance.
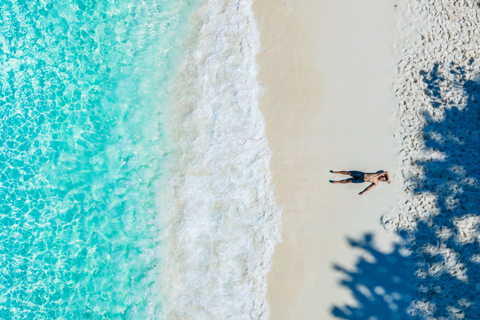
[[82, 89]]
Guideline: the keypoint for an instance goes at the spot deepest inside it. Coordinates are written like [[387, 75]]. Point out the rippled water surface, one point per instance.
[[82, 87]]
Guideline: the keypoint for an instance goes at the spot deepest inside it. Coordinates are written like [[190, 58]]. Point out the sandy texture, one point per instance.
[[327, 68], [438, 92]]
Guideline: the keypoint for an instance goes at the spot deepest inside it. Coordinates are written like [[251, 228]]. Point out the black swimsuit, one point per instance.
[[357, 176]]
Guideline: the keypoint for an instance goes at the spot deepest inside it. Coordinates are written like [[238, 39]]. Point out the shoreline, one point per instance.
[[218, 207], [327, 71]]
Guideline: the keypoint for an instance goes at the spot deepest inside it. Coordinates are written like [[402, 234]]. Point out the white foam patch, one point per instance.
[[220, 219]]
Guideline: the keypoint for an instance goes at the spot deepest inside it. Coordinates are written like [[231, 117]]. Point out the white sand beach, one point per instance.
[[327, 68]]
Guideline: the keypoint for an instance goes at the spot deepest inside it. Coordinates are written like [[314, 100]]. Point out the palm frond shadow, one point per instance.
[[442, 276], [378, 283]]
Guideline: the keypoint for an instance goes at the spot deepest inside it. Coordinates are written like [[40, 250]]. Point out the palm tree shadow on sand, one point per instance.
[[441, 278], [378, 283]]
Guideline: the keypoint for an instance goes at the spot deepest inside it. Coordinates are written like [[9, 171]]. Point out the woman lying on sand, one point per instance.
[[359, 177]]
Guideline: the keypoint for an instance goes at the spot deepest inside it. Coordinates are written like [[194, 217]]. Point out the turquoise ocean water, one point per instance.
[[83, 85]]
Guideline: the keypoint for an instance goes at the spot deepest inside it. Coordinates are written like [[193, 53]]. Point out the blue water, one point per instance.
[[83, 86]]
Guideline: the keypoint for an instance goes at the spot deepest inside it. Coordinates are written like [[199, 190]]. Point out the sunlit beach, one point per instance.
[[240, 159]]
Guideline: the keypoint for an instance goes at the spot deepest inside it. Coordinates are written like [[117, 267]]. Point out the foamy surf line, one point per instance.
[[220, 219]]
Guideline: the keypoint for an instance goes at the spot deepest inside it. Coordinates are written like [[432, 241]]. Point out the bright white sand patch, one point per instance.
[[327, 71], [327, 68]]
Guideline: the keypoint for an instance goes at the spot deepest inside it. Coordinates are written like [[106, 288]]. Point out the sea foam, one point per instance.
[[219, 217]]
